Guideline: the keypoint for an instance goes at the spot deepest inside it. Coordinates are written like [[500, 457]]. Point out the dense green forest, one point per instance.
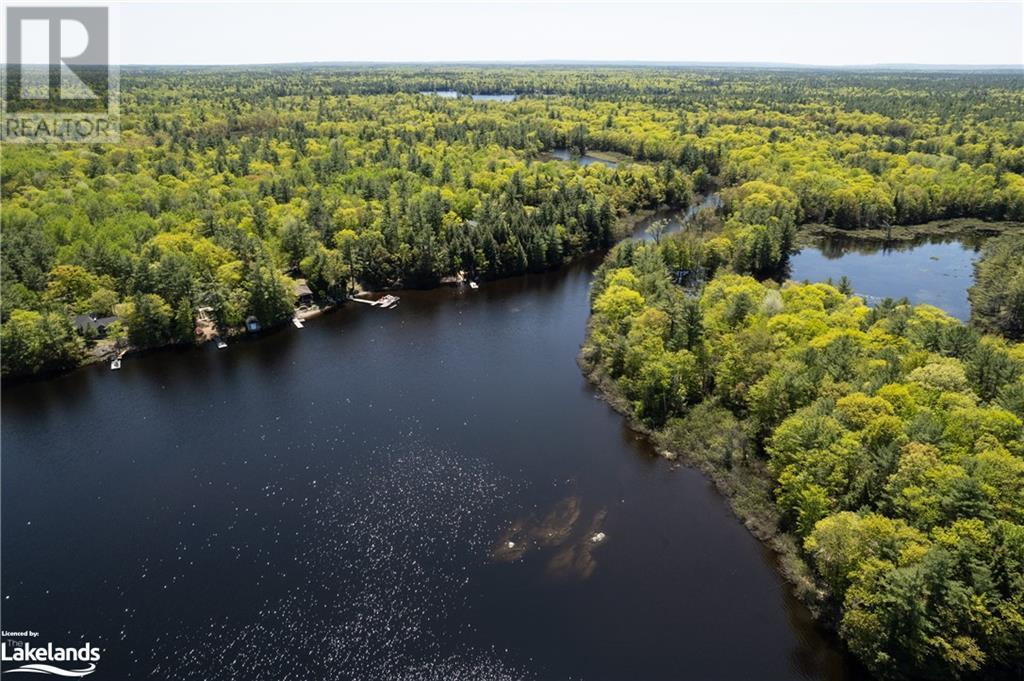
[[228, 184], [886, 441], [997, 297]]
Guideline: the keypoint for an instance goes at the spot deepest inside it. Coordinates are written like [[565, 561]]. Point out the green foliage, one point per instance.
[[893, 438], [997, 297], [349, 178], [35, 342], [149, 320]]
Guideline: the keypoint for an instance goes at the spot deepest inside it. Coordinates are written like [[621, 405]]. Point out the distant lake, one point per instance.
[[443, 94], [493, 98], [584, 160], [937, 271], [454, 94]]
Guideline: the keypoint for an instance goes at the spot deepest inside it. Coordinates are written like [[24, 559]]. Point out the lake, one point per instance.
[[453, 94], [493, 98], [339, 502], [584, 160], [937, 270], [443, 94]]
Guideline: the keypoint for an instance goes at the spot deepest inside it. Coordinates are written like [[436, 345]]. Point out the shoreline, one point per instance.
[[626, 226], [808, 234], [745, 487]]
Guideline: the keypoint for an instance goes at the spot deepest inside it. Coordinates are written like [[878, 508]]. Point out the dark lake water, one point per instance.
[[936, 271], [336, 503]]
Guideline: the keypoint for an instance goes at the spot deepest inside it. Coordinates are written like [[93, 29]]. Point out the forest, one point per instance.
[[883, 444], [880, 449], [229, 184]]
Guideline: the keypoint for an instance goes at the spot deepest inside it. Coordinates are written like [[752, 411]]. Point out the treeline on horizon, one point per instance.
[[228, 184]]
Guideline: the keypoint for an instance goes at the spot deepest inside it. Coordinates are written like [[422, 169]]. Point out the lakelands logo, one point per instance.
[[70, 662], [59, 83]]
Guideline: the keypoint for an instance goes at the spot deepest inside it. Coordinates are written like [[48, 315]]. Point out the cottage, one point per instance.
[[252, 324], [93, 325], [303, 294]]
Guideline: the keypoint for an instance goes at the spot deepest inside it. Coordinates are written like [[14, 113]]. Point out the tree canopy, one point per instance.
[[892, 438], [227, 182]]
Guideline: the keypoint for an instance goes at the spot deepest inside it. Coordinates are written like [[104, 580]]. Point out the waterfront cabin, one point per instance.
[[252, 324], [92, 325], [303, 294]]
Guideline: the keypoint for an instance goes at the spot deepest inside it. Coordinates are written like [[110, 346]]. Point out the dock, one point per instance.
[[388, 302]]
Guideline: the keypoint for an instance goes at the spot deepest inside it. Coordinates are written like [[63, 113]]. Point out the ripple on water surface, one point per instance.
[[385, 557]]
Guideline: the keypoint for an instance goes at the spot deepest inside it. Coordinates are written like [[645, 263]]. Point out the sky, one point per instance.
[[811, 32]]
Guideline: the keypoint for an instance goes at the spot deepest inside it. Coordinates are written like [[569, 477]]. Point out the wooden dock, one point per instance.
[[387, 302]]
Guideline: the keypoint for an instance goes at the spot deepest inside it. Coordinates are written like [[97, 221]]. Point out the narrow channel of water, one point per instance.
[[336, 502]]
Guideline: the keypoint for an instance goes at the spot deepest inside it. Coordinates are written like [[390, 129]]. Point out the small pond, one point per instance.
[[936, 270], [584, 160]]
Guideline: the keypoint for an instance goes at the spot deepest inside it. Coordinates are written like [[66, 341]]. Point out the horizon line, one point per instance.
[[573, 62]]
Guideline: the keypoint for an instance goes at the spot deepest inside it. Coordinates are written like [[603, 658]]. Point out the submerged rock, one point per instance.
[[557, 525], [511, 545], [576, 560]]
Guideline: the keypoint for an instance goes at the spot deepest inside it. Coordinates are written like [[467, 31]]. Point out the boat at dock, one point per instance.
[[388, 302], [115, 364], [297, 322]]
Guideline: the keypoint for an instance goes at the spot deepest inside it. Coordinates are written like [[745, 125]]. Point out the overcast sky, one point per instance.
[[826, 33]]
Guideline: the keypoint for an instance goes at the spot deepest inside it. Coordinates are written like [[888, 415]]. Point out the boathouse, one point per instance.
[[303, 294]]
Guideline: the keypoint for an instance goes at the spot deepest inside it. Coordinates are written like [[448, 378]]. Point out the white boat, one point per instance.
[[116, 364], [473, 284], [387, 302], [297, 322], [221, 345]]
